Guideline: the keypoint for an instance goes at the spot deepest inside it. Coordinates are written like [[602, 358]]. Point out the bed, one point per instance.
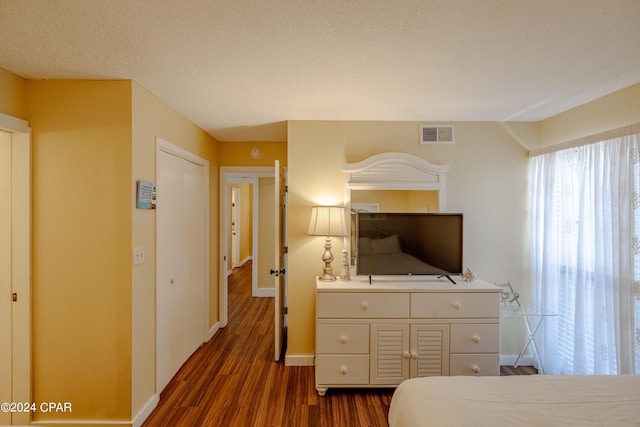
[[519, 400]]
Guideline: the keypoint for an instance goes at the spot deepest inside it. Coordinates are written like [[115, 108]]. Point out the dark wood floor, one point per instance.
[[233, 381]]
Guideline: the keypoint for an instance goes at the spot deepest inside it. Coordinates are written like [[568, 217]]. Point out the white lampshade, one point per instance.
[[327, 221]]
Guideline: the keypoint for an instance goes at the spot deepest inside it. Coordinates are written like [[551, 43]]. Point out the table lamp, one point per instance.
[[327, 221]]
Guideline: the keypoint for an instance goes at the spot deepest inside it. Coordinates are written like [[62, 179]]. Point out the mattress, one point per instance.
[[519, 400]]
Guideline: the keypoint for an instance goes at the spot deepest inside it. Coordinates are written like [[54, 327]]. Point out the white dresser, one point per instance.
[[379, 334]]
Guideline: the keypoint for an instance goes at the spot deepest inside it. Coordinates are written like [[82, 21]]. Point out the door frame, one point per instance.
[[21, 260], [167, 147], [230, 175]]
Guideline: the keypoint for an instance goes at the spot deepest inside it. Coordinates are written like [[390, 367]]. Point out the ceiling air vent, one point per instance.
[[437, 134]]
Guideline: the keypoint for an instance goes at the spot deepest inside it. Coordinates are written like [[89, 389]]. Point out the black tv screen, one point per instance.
[[408, 244]]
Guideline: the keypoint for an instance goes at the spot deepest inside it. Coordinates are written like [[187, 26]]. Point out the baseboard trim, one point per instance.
[[264, 292], [136, 422], [81, 423], [299, 360], [146, 411], [245, 260], [213, 330]]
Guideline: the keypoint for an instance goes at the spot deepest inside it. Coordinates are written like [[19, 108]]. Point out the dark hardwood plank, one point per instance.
[[233, 381], [520, 370]]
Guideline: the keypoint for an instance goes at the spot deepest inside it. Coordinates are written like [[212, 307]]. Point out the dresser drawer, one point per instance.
[[475, 338], [332, 338], [362, 305], [342, 369], [474, 364], [455, 304]]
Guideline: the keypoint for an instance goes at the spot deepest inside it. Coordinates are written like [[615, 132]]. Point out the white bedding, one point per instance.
[[519, 400]]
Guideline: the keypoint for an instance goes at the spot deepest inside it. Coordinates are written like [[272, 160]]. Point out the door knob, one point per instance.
[[277, 272]]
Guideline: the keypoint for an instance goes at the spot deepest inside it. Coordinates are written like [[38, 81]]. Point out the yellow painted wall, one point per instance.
[[13, 95], [82, 247], [152, 118], [399, 200], [246, 223], [93, 313], [239, 153], [487, 181], [246, 220], [613, 111]]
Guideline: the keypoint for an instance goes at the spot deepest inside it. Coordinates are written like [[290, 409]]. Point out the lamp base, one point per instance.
[[327, 257]]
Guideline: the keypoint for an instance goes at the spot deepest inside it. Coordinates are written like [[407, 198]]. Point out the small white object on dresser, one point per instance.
[[379, 334]]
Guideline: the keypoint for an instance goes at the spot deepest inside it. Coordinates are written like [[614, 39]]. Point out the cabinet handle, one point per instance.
[[457, 305], [414, 355], [364, 305], [406, 355], [475, 369], [343, 370], [475, 339], [343, 339]]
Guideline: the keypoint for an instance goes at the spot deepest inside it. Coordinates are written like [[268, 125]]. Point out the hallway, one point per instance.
[[232, 380]]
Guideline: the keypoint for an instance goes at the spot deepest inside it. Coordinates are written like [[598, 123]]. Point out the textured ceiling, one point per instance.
[[237, 67]]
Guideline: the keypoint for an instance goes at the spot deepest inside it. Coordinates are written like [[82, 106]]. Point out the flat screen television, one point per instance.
[[409, 244]]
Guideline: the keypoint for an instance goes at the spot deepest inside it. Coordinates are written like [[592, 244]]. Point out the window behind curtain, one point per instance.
[[585, 214], [636, 259]]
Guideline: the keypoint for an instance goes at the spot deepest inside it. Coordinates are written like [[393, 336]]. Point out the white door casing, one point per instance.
[[182, 258], [5, 274], [15, 284]]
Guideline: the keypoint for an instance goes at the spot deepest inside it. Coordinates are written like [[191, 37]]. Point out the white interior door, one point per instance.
[[280, 260], [5, 275], [235, 227], [181, 262]]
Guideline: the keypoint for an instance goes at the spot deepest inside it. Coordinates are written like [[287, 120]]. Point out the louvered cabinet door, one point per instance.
[[429, 353], [389, 354]]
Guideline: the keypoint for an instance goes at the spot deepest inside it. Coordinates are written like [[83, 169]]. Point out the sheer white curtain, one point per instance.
[[585, 254]]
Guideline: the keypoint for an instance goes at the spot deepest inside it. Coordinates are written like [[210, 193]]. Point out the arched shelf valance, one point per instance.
[[396, 171]]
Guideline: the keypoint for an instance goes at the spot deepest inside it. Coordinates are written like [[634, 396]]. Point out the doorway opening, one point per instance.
[[245, 183], [256, 188]]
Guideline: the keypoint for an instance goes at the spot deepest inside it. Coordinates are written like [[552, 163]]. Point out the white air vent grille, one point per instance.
[[437, 134]]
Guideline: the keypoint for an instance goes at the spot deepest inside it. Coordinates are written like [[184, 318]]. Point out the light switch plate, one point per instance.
[[138, 255]]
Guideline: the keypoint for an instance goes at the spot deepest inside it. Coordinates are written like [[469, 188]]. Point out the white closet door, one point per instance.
[[180, 263], [193, 258]]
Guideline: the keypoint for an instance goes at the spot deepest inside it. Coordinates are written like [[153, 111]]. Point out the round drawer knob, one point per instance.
[[475, 369], [364, 305], [457, 305], [475, 339], [343, 339], [406, 355], [414, 355], [343, 370]]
